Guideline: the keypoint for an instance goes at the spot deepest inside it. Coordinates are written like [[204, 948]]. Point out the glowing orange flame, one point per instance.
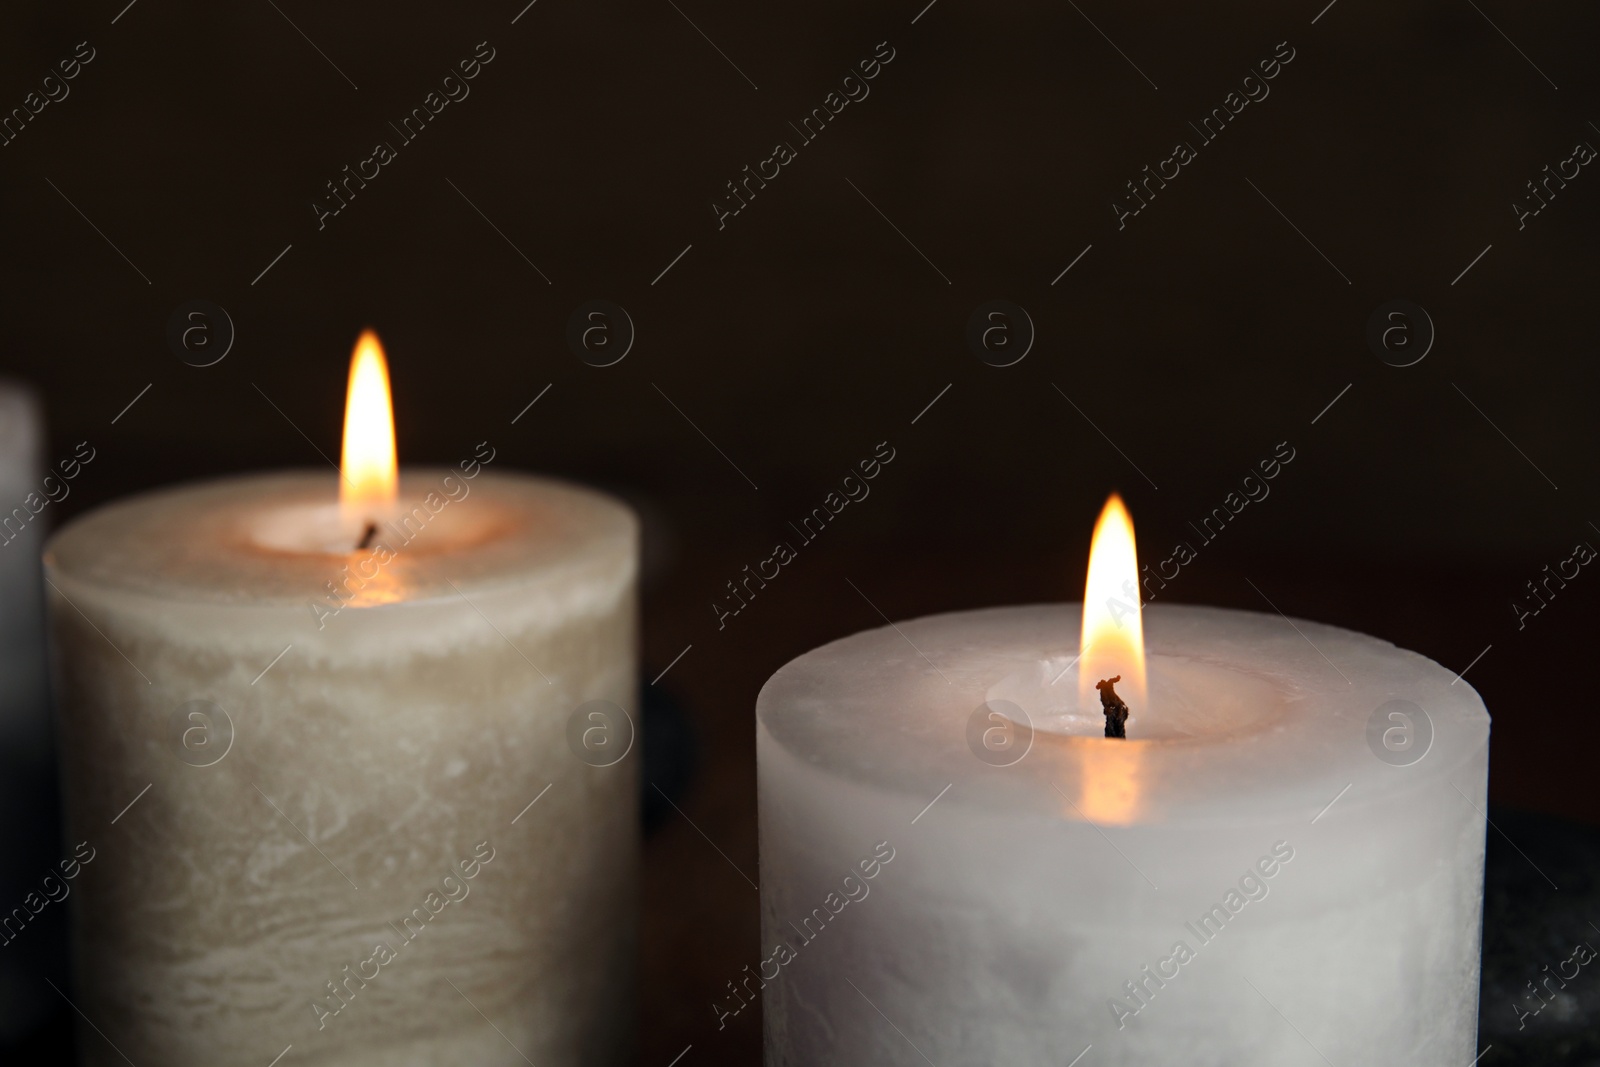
[[1112, 640], [370, 473]]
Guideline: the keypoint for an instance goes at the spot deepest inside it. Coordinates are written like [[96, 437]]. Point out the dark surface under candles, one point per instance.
[[1190, 349]]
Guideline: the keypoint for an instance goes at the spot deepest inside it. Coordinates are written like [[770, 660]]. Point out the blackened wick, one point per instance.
[[1114, 707]]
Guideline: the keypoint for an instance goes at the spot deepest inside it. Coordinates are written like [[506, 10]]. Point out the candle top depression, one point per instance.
[[1261, 714], [265, 537]]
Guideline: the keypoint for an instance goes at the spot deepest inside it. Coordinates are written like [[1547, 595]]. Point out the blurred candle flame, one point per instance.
[[370, 474], [1112, 639]]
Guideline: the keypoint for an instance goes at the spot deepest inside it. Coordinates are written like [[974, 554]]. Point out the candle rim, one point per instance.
[[795, 707], [90, 550]]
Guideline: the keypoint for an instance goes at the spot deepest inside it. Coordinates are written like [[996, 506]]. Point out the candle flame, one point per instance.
[[370, 475], [1112, 639]]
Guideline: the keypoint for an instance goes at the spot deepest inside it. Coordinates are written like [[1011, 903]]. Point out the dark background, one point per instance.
[[808, 329]]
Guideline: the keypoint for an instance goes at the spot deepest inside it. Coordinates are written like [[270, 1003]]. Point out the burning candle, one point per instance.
[[1281, 863], [316, 733]]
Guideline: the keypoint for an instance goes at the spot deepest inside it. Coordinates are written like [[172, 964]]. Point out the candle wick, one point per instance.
[[366, 538], [1115, 708]]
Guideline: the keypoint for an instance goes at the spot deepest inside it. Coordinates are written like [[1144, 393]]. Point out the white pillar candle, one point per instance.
[[350, 801], [24, 721], [1327, 891], [26, 761]]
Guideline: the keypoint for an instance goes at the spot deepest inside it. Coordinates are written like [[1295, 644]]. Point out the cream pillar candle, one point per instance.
[[1281, 866], [331, 794]]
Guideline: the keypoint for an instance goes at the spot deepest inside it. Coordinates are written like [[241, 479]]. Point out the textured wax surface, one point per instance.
[[380, 750]]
